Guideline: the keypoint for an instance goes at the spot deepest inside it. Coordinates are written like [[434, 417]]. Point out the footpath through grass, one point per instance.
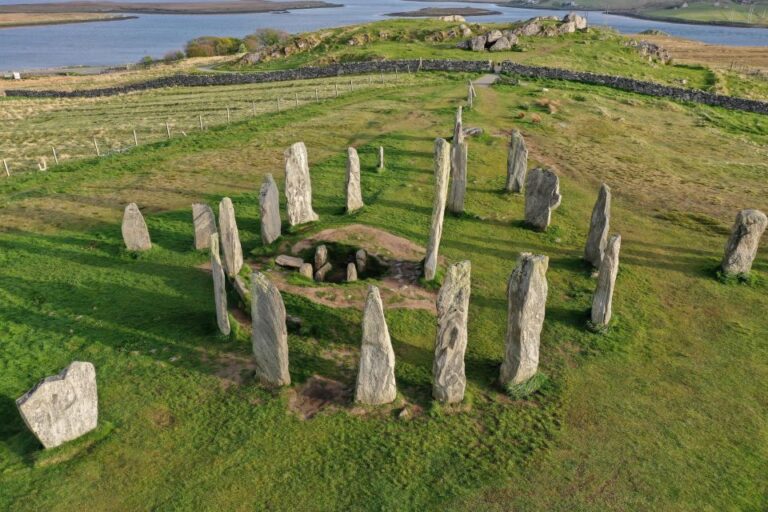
[[664, 411]]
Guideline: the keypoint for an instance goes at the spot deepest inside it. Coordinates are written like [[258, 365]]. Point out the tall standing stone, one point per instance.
[[741, 249], [458, 168], [354, 196], [599, 225], [542, 195], [62, 407], [229, 237], [219, 286], [269, 334], [376, 375], [135, 233], [269, 205], [602, 301], [517, 163], [205, 225], [451, 343], [442, 168], [298, 186], [527, 295]]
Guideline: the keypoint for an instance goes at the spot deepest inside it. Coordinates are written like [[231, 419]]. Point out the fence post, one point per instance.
[[350, 84], [135, 138], [296, 95], [337, 89], [55, 156], [42, 164], [317, 95], [168, 129], [200, 116], [253, 107], [229, 117], [5, 164], [278, 103], [96, 145], [382, 77]]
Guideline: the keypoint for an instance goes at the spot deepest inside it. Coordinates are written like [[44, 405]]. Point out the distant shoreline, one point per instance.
[[213, 7], [41, 23], [431, 12]]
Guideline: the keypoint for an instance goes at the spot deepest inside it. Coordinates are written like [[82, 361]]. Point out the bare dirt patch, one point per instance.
[[318, 394]]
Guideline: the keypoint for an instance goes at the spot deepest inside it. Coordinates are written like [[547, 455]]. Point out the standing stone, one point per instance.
[[135, 233], [354, 196], [351, 273], [376, 375], [599, 225], [442, 168], [269, 204], [322, 272], [229, 237], [542, 195], [219, 286], [62, 407], [298, 186], [458, 168], [741, 249], [517, 163], [606, 279], [306, 270], [269, 335], [321, 255], [527, 294], [381, 158], [205, 225], [361, 260], [452, 312]]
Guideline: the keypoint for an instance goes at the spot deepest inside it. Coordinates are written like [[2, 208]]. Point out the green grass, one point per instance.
[[663, 411]]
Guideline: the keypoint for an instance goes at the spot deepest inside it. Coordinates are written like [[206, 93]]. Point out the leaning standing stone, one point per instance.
[[527, 295], [351, 272], [229, 238], [517, 163], [354, 196], [542, 195], [205, 225], [442, 168], [376, 375], [135, 233], [451, 343], [741, 249], [269, 204], [606, 279], [62, 407], [269, 334], [219, 286], [599, 225], [298, 186]]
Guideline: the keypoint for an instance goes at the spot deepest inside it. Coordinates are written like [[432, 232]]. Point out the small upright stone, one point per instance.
[[458, 168], [205, 225], [606, 279], [354, 196], [229, 238], [219, 286], [62, 407], [298, 186], [527, 294], [135, 233], [741, 249], [542, 195], [351, 273], [451, 343], [517, 163], [599, 225], [381, 158], [376, 375], [269, 204], [321, 255], [306, 270], [322, 272], [269, 334], [442, 168], [361, 260]]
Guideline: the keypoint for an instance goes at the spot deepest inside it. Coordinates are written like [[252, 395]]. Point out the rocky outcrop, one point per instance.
[[269, 334], [451, 343], [741, 249], [652, 51], [442, 169], [376, 374]]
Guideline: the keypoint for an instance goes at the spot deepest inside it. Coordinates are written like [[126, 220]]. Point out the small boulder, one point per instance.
[[322, 272], [493, 36], [501, 44], [306, 270], [289, 261], [351, 273], [477, 43]]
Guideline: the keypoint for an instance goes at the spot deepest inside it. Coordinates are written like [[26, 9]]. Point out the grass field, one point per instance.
[[664, 411]]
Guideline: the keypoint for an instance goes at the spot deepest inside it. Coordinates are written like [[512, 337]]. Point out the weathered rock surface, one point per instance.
[[269, 335], [351, 273], [219, 286], [269, 205], [62, 407], [361, 260], [502, 44], [306, 270], [451, 343], [602, 300], [517, 163], [354, 195], [527, 294], [542, 195], [135, 233], [289, 261], [442, 169], [741, 248], [376, 375], [322, 272], [580, 22], [205, 225], [298, 186], [229, 238], [599, 225], [458, 184], [321, 255]]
